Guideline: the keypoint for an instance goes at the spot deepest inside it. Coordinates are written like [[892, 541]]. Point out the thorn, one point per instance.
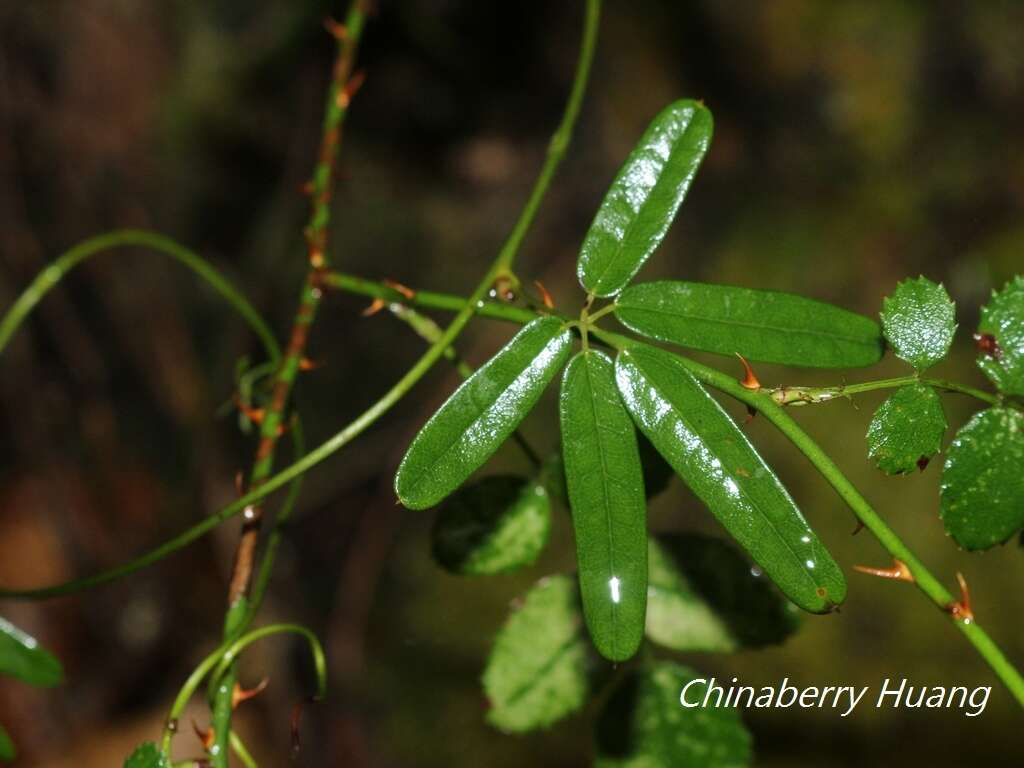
[[375, 306], [405, 290], [961, 611], [922, 463], [749, 380], [504, 288], [988, 345], [316, 258], [899, 571], [347, 91], [240, 483], [544, 295], [255, 415], [751, 413], [206, 738], [305, 364], [240, 694], [336, 29], [859, 528]]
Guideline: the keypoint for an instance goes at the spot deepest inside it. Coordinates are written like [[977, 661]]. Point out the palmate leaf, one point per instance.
[[907, 430], [982, 491], [146, 756], [537, 671], [765, 326], [919, 322], [1002, 320], [702, 595], [642, 201], [715, 459], [643, 724], [493, 526], [609, 508], [21, 657], [481, 414]]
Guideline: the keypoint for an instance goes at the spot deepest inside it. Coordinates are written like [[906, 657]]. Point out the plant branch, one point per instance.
[[796, 395]]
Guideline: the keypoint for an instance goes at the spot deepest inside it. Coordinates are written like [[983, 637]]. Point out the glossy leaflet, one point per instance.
[[919, 322], [907, 430], [1002, 319]]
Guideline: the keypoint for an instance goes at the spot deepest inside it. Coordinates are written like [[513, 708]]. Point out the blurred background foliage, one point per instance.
[[856, 143]]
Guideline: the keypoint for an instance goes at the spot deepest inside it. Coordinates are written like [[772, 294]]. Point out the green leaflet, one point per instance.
[[1003, 320], [718, 463], [609, 508], [537, 670], [22, 658], [493, 526], [481, 414], [907, 430], [919, 322], [702, 595], [765, 326], [7, 751], [982, 491], [644, 725], [642, 201], [147, 756]]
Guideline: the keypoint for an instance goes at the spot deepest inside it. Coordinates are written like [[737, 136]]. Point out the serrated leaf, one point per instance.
[[493, 526], [643, 724], [481, 414], [907, 430], [22, 657], [7, 750], [765, 326], [715, 459], [982, 492], [642, 201], [147, 756], [609, 508], [702, 595], [537, 670], [919, 320], [1002, 319]]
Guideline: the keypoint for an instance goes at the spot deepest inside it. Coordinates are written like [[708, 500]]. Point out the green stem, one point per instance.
[[239, 748], [797, 395], [123, 238]]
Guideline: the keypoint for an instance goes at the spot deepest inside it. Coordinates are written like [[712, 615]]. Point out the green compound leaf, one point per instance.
[[481, 414], [493, 526], [1002, 322], [907, 430], [642, 201], [982, 492], [537, 672], [147, 756], [7, 750], [702, 595], [21, 657], [643, 724], [764, 326], [919, 320], [718, 463], [609, 508]]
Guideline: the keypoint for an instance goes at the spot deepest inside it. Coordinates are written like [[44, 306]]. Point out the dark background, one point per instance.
[[856, 143]]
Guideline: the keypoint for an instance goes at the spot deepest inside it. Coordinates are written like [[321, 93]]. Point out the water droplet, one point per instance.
[[614, 583]]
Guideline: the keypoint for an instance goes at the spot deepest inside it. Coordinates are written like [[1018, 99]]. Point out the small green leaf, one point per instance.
[[22, 658], [642, 201], [704, 596], [609, 508], [1003, 320], [907, 430], [982, 492], [765, 326], [718, 463], [644, 725], [537, 671], [147, 756], [919, 320], [7, 750], [481, 414], [493, 526]]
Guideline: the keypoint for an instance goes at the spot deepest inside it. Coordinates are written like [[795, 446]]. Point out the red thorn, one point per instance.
[[751, 413], [255, 415], [858, 528], [305, 364], [375, 306], [405, 290], [544, 295], [749, 380], [206, 738], [240, 694], [336, 29], [239, 483], [922, 463], [962, 611], [899, 571]]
